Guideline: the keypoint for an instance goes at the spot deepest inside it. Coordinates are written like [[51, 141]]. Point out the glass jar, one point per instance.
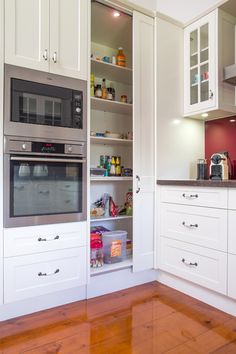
[[120, 58], [98, 91]]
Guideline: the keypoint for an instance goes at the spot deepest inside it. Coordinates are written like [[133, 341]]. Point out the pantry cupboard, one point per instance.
[[124, 129]]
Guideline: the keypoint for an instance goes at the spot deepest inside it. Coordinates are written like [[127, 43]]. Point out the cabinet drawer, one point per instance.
[[208, 197], [27, 240], [208, 267], [231, 276], [201, 226], [38, 274]]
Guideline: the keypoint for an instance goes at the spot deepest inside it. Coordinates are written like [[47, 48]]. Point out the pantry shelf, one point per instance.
[[106, 268], [110, 218], [111, 72], [109, 141], [110, 179], [111, 106]]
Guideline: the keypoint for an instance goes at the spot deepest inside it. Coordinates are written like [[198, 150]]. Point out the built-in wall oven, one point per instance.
[[44, 105], [45, 181]]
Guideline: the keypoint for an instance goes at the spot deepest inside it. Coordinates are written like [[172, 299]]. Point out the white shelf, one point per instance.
[[111, 72], [110, 218], [111, 106], [106, 268], [110, 179], [109, 141]]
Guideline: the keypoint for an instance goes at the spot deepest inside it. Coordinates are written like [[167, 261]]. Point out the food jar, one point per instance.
[[96, 252], [98, 91]]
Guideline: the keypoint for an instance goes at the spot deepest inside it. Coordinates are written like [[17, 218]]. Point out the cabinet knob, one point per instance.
[[45, 55], [54, 57], [188, 263]]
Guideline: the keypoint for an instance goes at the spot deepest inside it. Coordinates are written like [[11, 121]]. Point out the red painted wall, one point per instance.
[[220, 135]]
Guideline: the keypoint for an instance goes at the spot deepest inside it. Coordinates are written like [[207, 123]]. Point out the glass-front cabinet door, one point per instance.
[[200, 65]]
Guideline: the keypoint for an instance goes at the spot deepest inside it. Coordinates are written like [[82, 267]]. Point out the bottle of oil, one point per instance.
[[120, 58], [104, 89], [118, 167], [92, 87]]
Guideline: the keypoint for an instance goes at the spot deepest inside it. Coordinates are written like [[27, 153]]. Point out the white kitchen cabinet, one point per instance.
[[144, 146], [209, 46], [47, 35], [43, 273]]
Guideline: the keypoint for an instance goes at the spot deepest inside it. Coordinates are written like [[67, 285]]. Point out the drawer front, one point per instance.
[[35, 275], [232, 231], [201, 226], [231, 276], [232, 199], [199, 265], [36, 239], [208, 197]]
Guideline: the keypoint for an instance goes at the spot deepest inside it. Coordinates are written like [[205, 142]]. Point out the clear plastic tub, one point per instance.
[[114, 246]]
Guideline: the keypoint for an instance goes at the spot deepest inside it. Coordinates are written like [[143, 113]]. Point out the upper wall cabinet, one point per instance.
[[209, 47], [47, 35]]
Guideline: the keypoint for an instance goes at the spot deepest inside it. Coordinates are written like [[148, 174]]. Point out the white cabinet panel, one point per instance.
[[232, 199], [26, 33], [202, 266], [208, 197], [201, 226], [36, 239], [232, 231], [34, 275], [144, 146], [68, 38], [231, 276]]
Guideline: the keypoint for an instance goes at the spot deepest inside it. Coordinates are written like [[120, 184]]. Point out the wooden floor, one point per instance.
[[147, 319]]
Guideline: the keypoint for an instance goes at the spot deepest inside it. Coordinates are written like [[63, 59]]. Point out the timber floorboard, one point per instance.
[[146, 319]]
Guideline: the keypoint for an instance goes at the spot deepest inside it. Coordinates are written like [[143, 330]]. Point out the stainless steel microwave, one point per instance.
[[44, 105]]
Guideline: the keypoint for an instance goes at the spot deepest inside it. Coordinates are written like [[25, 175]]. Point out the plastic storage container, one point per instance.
[[114, 246]]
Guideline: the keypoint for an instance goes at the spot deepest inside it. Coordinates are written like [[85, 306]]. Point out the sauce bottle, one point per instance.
[[120, 58], [104, 89]]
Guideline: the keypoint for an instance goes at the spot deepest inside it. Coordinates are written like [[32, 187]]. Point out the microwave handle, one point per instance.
[[42, 159]]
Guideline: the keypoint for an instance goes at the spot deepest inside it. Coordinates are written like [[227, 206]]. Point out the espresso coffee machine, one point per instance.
[[219, 169]]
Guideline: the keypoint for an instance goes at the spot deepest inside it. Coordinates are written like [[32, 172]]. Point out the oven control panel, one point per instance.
[[17, 145]]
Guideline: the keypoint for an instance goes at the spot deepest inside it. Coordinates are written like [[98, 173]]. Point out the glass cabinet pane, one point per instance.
[[204, 42], [194, 48], [204, 88]]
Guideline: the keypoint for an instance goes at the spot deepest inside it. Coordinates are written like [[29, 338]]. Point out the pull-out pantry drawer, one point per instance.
[[201, 226], [202, 266], [38, 274], [208, 197], [27, 240]]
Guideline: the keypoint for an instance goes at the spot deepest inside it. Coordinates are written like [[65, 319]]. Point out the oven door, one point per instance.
[[44, 190]]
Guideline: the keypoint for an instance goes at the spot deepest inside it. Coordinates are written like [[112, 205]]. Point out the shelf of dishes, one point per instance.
[[101, 104], [111, 71]]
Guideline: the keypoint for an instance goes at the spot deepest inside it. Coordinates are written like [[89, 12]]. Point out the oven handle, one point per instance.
[[45, 159]]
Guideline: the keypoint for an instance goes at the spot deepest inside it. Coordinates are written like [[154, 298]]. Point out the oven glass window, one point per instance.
[[35, 103], [45, 188]]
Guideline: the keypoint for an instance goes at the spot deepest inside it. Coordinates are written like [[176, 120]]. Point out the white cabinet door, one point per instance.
[[144, 147], [27, 33], [200, 63], [68, 37]]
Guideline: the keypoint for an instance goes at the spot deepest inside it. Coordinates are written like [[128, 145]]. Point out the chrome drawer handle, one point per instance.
[[44, 192], [54, 57], [40, 274], [138, 186], [190, 196], [190, 225], [188, 263], [45, 55], [40, 239]]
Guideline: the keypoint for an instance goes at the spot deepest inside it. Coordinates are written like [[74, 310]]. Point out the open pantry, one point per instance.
[[121, 172]]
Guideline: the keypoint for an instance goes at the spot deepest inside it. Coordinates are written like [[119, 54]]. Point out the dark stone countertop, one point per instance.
[[197, 183]]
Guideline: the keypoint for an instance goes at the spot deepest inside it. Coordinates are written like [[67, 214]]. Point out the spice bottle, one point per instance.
[[92, 88], [104, 89], [120, 58]]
